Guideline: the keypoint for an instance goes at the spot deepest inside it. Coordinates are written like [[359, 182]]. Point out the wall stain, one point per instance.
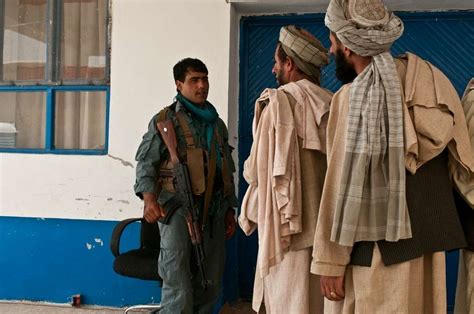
[[81, 199], [124, 201], [124, 162]]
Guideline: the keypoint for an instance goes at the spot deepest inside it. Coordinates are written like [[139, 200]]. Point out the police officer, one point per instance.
[[202, 142]]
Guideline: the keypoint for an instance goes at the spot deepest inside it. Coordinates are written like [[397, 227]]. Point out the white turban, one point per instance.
[[366, 27]]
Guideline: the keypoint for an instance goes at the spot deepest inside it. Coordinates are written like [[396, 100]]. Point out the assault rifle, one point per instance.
[[183, 189]]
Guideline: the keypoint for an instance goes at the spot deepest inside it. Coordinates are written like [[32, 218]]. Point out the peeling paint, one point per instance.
[[89, 246], [124, 162], [124, 201], [98, 240]]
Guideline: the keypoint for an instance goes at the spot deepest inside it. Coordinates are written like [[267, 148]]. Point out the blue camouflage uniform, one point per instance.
[[182, 291]]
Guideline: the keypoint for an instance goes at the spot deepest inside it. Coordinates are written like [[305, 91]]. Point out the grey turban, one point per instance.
[[366, 27], [306, 51]]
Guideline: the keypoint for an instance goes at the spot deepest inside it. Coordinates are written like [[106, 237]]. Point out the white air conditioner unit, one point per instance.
[[7, 135]]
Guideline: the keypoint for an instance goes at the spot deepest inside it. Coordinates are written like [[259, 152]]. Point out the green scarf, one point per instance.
[[208, 115]]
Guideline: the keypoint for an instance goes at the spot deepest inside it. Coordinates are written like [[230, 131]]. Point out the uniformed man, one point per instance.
[[202, 142]]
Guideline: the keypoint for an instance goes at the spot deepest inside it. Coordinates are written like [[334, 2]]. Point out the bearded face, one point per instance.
[[344, 70]]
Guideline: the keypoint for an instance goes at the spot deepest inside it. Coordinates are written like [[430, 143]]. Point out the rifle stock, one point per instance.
[[183, 189], [168, 135]]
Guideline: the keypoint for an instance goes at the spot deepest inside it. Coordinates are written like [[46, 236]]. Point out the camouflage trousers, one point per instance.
[[182, 291]]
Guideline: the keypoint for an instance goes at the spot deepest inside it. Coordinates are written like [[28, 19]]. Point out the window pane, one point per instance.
[[24, 40], [80, 120], [83, 39], [22, 119]]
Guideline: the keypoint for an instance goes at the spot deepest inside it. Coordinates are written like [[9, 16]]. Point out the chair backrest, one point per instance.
[[142, 262], [150, 235]]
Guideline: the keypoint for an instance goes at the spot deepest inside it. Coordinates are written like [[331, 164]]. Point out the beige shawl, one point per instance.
[[273, 198], [464, 180]]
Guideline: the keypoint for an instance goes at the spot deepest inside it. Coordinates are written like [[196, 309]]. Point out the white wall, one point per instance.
[[148, 38]]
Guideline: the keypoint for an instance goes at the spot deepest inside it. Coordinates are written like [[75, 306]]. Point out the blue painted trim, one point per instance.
[[24, 88], [316, 18], [246, 267], [50, 116], [78, 152], [51, 259], [434, 16], [34, 88], [82, 88], [53, 152]]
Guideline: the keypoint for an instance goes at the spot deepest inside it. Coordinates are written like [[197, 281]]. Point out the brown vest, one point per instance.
[[433, 216], [195, 159]]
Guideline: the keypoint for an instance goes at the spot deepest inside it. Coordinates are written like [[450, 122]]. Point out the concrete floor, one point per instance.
[[241, 307], [47, 308]]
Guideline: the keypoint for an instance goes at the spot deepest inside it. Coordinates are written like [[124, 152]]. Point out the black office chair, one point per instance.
[[141, 263]]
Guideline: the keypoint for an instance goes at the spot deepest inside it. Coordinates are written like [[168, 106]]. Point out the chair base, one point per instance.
[[153, 308]]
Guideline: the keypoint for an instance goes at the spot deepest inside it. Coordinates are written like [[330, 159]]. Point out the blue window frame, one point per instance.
[[51, 93], [54, 76]]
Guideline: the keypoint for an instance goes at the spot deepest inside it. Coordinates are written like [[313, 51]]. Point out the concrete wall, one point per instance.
[[57, 212], [148, 38]]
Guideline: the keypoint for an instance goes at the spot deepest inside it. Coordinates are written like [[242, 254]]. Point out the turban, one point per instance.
[[307, 52], [366, 27]]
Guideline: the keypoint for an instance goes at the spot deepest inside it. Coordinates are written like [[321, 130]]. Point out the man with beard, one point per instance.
[[387, 211], [285, 172]]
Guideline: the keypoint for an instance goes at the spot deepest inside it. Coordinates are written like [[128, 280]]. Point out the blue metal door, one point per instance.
[[445, 39]]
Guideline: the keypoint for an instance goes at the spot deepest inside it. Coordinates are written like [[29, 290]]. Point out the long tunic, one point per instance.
[[296, 112], [465, 286], [433, 121], [417, 286]]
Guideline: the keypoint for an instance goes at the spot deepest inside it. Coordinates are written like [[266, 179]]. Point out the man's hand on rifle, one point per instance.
[[229, 221], [152, 211]]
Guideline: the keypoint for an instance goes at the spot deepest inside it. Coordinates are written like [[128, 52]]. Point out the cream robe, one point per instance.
[[465, 286], [423, 141], [287, 121], [464, 303]]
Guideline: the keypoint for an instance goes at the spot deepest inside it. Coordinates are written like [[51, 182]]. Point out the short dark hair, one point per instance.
[[188, 64]]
